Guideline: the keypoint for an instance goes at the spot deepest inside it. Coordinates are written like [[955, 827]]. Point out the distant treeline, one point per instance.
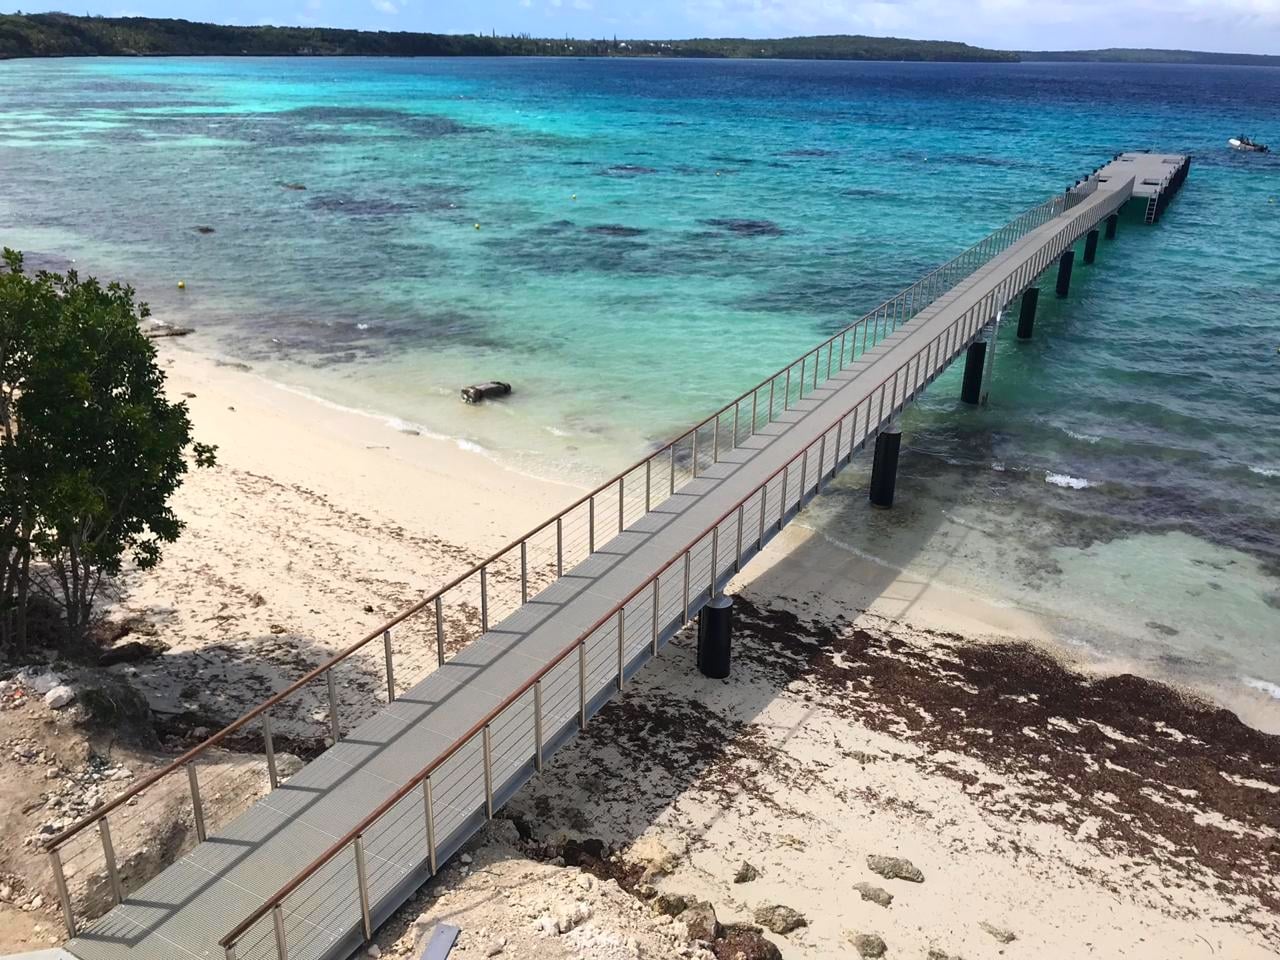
[[62, 35], [1128, 55]]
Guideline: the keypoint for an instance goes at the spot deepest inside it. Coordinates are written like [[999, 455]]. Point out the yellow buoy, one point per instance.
[[182, 284], [477, 226], [574, 197]]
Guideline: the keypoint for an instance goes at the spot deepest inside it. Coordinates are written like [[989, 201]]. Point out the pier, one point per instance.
[[531, 643]]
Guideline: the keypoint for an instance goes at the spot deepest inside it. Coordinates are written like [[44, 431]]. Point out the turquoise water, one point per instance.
[[632, 243]]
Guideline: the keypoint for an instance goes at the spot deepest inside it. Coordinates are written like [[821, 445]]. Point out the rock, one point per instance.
[[868, 945], [870, 891], [999, 933], [894, 868], [658, 856], [479, 392], [59, 697], [374, 951], [700, 918], [287, 765], [779, 919], [276, 629], [130, 652], [746, 873], [465, 859], [742, 941], [935, 954], [670, 904], [294, 186], [645, 891], [496, 947], [206, 230]]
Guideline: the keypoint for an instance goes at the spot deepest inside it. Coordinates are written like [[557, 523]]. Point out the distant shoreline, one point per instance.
[[56, 35]]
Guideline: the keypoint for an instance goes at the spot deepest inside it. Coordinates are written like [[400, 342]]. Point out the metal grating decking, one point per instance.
[[184, 911]]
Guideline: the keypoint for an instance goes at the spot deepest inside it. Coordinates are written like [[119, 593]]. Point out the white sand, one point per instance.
[[315, 512]]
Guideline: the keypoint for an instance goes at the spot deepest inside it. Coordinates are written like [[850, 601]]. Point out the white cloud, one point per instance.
[[385, 6]]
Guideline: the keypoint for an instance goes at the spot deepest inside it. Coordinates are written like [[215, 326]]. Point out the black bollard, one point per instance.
[[971, 386], [1113, 221], [1064, 272], [715, 635], [1027, 316], [1091, 246], [884, 466]]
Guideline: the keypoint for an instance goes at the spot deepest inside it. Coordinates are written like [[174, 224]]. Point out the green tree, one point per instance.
[[95, 450]]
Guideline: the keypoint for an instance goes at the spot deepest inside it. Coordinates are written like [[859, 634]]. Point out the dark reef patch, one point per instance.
[[616, 230], [746, 228], [809, 152]]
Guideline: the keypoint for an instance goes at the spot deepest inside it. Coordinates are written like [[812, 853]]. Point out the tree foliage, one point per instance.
[[92, 450], [62, 35]]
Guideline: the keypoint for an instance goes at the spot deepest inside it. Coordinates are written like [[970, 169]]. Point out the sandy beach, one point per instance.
[[871, 713]]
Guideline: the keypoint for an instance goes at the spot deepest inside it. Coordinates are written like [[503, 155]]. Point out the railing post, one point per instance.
[[622, 640], [835, 460], [64, 898], [582, 685], [591, 525], [391, 670], [822, 464], [733, 446], [439, 633], [715, 441], [673, 470], [335, 725], [269, 748], [197, 807], [687, 564], [648, 485], [109, 854], [277, 923], [656, 586], [693, 460], [484, 599], [362, 881], [559, 546], [755, 401], [772, 384], [537, 725], [715, 560], [486, 743], [737, 563], [782, 504], [524, 571], [786, 392], [429, 813], [804, 470], [622, 501], [764, 502]]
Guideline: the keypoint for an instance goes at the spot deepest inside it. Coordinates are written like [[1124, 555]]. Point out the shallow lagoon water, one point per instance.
[[631, 243]]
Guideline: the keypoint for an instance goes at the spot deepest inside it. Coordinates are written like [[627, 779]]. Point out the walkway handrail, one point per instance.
[[872, 327], [906, 383]]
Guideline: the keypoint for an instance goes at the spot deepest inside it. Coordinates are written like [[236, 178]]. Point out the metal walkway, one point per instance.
[[312, 869]]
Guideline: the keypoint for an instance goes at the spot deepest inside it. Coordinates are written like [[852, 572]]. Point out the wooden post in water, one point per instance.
[[1064, 272]]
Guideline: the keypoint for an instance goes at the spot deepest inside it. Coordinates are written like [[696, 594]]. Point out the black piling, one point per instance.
[[971, 386], [715, 637], [1064, 272], [1113, 221], [884, 466], [1091, 246], [1027, 316]]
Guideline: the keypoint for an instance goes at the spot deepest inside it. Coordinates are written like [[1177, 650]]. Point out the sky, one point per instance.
[[1244, 26]]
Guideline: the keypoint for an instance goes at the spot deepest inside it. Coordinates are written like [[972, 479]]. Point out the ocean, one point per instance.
[[631, 243]]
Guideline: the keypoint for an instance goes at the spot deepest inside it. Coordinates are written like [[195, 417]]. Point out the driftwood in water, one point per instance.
[[481, 391], [159, 331]]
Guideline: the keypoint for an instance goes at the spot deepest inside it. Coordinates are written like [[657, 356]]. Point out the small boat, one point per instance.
[[1244, 143]]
